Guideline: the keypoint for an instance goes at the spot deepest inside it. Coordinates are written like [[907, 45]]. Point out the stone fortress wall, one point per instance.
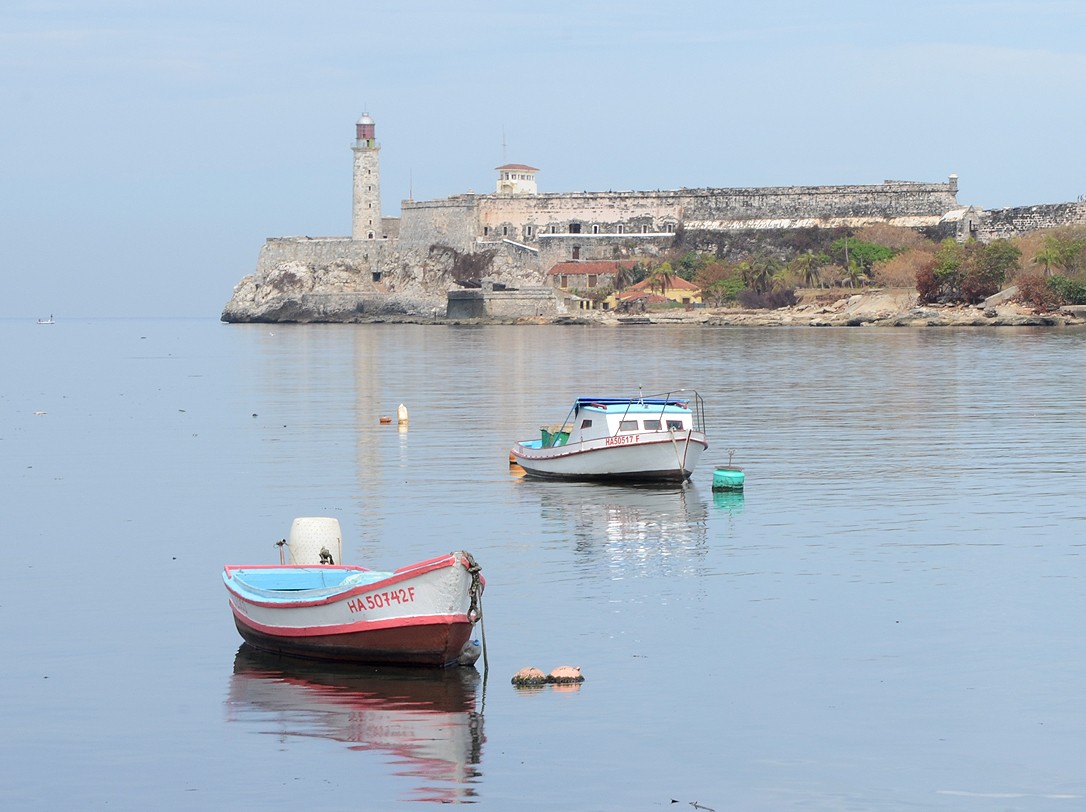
[[463, 221], [514, 237], [1014, 222]]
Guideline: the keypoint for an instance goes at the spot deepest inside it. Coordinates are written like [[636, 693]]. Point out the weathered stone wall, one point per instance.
[[503, 304], [889, 200], [458, 221], [1014, 222], [527, 219], [450, 222], [555, 248], [322, 251]]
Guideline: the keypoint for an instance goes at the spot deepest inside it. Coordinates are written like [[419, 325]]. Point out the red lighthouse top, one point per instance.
[[364, 129]]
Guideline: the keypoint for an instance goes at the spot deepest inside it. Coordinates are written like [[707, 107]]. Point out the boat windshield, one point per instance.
[[655, 410]]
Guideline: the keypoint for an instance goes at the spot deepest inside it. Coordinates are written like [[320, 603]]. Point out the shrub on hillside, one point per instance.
[[928, 286], [895, 237], [1067, 290], [768, 300], [966, 272], [1033, 289], [900, 271]]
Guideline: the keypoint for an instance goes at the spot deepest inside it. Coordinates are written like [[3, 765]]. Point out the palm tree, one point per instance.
[[781, 279], [762, 268], [627, 275], [854, 273], [804, 265], [1050, 253], [661, 277]]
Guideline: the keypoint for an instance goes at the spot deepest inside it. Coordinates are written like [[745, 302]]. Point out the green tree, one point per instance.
[[628, 275], [805, 266], [949, 259], [719, 282], [865, 254], [1049, 254], [689, 264], [986, 267], [757, 272], [854, 273], [661, 278]]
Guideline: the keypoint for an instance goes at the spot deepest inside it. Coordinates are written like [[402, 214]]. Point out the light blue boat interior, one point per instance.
[[286, 583]]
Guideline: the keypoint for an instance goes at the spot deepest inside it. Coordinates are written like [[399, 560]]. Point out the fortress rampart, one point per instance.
[[319, 251], [1014, 222], [463, 220], [516, 234]]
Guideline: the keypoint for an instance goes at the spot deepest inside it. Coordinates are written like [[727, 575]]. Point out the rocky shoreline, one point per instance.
[[873, 308]]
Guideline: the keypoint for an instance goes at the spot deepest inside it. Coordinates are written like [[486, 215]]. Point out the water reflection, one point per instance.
[[634, 530], [425, 718], [729, 501]]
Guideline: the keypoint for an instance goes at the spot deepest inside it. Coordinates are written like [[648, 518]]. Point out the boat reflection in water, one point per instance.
[[639, 529], [425, 718]]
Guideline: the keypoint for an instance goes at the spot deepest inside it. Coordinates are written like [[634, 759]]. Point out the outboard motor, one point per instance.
[[315, 540]]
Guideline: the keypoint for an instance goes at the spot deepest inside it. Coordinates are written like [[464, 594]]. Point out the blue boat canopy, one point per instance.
[[682, 404]]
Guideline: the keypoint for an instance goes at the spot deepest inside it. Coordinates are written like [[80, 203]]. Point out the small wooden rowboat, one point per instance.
[[421, 614]]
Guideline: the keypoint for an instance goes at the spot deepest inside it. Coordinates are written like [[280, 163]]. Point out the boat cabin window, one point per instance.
[[674, 425], [628, 425], [652, 425], [586, 424]]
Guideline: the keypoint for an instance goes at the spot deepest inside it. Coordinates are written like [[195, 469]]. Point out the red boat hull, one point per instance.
[[429, 644]]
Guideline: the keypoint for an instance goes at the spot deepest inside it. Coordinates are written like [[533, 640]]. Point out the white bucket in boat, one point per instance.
[[311, 534]]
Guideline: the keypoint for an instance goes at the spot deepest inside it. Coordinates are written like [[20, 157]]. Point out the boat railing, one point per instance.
[[685, 398]]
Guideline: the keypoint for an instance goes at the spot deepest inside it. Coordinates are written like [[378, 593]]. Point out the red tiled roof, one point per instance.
[[675, 282], [521, 167], [595, 266], [631, 295]]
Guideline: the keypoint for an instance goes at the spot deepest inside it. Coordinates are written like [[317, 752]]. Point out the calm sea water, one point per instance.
[[888, 618]]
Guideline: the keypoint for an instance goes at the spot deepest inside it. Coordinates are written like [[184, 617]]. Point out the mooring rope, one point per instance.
[[475, 610]]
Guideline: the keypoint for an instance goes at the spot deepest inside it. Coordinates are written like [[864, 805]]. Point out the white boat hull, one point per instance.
[[652, 457], [417, 615]]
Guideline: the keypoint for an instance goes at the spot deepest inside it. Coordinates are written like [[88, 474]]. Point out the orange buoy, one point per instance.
[[385, 420]]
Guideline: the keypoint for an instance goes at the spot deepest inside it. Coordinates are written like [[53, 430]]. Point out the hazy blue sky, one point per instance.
[[150, 147]]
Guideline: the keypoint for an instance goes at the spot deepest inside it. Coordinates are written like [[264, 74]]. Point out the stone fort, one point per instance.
[[514, 235]]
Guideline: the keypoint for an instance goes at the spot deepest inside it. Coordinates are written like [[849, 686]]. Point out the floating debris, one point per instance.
[[566, 673], [563, 675], [529, 676]]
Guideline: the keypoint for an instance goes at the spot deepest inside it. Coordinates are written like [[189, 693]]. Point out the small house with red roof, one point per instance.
[[659, 291]]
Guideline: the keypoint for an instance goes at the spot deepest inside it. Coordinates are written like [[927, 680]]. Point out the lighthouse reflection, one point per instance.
[[425, 718]]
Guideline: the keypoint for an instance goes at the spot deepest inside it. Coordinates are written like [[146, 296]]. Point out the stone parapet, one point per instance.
[[1014, 222]]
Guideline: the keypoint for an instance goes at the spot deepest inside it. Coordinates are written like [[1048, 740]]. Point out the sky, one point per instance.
[[149, 148]]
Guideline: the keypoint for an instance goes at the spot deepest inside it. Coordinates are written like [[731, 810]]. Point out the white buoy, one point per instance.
[[401, 415]]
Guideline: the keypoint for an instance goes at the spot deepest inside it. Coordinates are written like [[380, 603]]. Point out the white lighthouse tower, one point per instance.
[[366, 215]]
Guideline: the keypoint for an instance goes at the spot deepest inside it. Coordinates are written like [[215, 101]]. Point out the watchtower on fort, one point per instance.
[[366, 212], [516, 179]]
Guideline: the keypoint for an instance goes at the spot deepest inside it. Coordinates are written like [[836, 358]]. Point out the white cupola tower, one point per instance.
[[366, 215], [516, 179]]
